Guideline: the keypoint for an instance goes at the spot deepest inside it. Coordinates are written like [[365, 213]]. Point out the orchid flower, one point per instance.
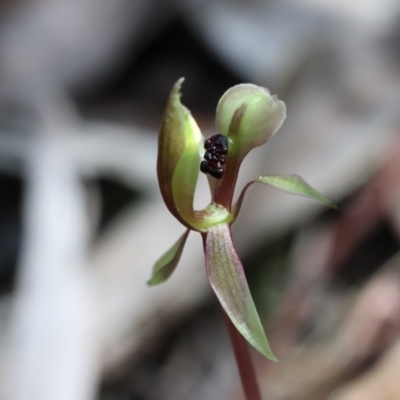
[[247, 116]]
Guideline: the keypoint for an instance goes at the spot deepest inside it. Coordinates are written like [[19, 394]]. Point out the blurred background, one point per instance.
[[83, 84]]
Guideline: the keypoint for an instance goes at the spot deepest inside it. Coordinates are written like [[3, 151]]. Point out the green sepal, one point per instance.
[[167, 263], [227, 278], [248, 115]]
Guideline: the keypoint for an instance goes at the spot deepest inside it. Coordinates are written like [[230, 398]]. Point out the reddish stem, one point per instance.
[[243, 361]]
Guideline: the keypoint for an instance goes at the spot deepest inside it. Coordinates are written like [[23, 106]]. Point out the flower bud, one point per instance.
[[248, 115]]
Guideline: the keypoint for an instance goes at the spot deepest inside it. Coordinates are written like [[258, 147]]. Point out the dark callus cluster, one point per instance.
[[215, 156]]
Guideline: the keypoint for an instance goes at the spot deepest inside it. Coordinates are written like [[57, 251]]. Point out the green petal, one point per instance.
[[289, 183], [227, 278], [166, 265], [179, 145], [296, 185]]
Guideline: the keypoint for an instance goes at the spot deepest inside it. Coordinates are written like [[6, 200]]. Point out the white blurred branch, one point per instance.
[[98, 149], [53, 342]]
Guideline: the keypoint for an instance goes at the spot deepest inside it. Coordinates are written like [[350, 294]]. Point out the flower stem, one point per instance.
[[243, 361]]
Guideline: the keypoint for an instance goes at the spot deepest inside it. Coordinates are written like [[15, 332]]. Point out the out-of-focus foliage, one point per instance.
[[82, 87]]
